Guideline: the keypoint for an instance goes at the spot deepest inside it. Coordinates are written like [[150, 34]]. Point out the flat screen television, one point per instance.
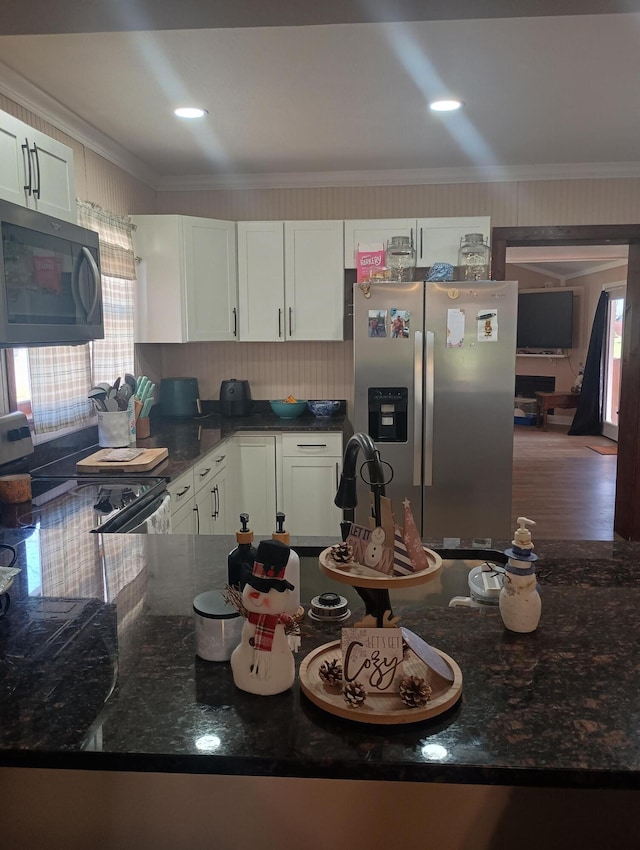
[[545, 319]]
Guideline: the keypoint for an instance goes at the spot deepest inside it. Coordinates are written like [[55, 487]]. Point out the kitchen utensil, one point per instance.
[[116, 383], [130, 380], [288, 410], [235, 398], [141, 384], [147, 460], [147, 392], [178, 397], [146, 408], [98, 396]]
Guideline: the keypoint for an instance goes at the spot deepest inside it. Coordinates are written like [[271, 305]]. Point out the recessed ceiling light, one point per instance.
[[190, 112], [445, 105]]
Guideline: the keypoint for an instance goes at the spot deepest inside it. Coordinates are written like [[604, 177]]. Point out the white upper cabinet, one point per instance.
[[438, 239], [187, 279], [374, 230], [290, 280], [314, 280], [36, 171], [261, 280]]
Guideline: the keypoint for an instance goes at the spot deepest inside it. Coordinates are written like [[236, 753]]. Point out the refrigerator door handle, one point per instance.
[[418, 386], [429, 384]]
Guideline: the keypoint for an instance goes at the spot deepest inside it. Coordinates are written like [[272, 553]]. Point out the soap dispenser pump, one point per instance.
[[292, 571], [520, 603], [241, 559]]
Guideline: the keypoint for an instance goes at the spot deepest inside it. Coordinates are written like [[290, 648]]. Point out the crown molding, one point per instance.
[[29, 96], [602, 267], [401, 177]]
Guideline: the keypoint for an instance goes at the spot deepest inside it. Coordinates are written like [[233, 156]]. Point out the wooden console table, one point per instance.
[[547, 401]]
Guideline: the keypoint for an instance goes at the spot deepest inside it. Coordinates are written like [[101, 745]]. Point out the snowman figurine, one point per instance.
[[263, 661], [374, 551]]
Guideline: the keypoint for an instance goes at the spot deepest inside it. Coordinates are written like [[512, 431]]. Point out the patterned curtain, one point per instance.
[[61, 376], [113, 355]]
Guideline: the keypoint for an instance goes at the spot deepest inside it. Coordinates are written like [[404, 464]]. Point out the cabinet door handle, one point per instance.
[[412, 237], [205, 472], [279, 322], [311, 445], [34, 151], [197, 513], [290, 328], [235, 322], [220, 459], [421, 229], [337, 475], [25, 149], [181, 493]]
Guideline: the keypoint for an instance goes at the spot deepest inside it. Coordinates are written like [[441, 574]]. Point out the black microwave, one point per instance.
[[50, 289]]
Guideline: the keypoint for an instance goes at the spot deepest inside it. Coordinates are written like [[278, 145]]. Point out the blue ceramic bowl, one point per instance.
[[288, 411], [323, 408]]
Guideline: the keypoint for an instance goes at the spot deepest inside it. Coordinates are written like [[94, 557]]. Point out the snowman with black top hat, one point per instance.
[[263, 661]]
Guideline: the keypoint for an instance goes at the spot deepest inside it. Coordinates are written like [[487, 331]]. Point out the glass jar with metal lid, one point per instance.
[[473, 257], [401, 258]]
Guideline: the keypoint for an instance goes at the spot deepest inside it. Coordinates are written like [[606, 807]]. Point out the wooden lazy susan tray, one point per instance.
[[380, 708], [357, 575]]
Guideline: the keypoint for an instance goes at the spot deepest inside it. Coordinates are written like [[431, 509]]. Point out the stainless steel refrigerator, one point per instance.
[[434, 387]]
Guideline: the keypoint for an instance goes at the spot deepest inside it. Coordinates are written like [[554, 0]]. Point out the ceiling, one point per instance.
[[325, 103]]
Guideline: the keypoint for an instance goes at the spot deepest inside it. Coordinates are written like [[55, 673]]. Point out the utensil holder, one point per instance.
[[113, 429], [143, 427]]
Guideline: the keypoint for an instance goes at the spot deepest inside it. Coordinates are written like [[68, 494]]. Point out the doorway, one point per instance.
[[613, 360], [627, 496]]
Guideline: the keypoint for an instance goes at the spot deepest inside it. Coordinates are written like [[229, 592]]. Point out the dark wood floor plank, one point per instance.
[[560, 483]]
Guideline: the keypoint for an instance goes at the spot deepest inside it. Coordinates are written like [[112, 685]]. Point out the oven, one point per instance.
[[79, 503]]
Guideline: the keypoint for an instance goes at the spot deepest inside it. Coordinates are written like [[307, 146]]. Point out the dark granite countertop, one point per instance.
[[98, 671], [187, 440]]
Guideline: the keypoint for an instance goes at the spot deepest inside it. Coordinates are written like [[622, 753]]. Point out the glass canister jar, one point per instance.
[[473, 257], [401, 258]]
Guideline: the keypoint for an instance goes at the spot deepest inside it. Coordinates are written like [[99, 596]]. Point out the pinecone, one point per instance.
[[354, 694], [342, 553], [331, 672], [414, 692]]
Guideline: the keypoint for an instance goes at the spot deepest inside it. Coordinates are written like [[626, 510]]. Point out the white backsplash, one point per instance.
[[274, 370]]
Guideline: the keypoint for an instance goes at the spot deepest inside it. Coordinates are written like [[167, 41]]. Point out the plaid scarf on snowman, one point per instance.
[[266, 627], [263, 640]]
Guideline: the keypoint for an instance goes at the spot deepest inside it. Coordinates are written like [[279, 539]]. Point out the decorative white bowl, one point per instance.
[[323, 408]]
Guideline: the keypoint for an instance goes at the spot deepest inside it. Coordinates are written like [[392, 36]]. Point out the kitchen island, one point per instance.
[[99, 673]]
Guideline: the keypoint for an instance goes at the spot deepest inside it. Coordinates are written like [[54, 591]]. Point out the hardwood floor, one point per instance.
[[565, 487]]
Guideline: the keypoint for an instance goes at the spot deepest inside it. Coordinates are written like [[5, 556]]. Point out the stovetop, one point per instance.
[[81, 504]]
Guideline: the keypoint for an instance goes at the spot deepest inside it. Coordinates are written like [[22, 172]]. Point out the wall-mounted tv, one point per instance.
[[545, 319]]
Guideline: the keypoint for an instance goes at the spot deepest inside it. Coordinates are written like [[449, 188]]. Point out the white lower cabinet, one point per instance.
[[182, 492], [252, 480], [311, 467], [260, 474]]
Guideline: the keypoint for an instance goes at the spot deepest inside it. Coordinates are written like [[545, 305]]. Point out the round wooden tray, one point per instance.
[[358, 575], [379, 708]]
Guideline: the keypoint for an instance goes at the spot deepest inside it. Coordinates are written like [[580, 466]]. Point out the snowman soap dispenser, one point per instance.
[[520, 603]]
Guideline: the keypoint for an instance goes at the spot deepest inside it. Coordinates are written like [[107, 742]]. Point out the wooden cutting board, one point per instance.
[[145, 461]]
